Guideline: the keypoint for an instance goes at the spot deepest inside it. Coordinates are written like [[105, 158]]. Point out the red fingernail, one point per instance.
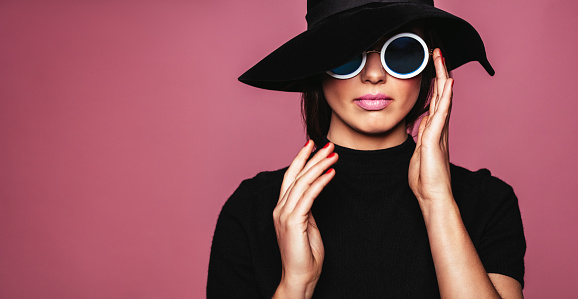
[[452, 83], [326, 145], [331, 155], [306, 143], [329, 170]]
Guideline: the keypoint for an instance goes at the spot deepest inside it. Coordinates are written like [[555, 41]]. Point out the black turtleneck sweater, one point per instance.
[[376, 244]]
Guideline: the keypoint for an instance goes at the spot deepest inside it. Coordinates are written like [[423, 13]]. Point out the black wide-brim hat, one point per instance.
[[337, 30]]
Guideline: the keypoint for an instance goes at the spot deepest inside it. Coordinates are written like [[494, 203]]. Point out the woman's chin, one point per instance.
[[381, 129]]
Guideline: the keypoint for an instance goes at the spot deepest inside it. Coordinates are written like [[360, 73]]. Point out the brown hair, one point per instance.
[[316, 113]]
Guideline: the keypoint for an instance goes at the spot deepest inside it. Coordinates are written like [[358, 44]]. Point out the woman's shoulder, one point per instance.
[[263, 182], [257, 194], [480, 180], [481, 194]]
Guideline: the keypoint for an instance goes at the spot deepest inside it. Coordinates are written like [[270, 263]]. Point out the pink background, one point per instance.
[[123, 131]]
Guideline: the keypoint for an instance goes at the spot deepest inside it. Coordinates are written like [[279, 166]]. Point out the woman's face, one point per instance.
[[371, 105]]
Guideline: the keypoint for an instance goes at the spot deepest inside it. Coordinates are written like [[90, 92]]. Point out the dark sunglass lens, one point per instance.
[[349, 67], [404, 55]]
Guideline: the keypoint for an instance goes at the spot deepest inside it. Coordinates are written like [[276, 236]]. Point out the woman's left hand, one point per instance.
[[459, 270], [429, 168]]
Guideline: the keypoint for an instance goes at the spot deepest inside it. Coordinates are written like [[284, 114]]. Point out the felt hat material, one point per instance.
[[340, 29]]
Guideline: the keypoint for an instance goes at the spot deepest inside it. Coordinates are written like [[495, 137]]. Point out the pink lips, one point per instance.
[[373, 102]]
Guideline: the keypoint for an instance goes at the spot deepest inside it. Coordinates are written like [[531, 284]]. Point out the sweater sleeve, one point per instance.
[[231, 272], [503, 244]]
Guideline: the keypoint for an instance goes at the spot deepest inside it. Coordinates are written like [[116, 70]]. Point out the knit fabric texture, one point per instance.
[[375, 239]]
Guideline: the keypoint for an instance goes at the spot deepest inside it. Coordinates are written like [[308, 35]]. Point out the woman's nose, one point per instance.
[[373, 72]]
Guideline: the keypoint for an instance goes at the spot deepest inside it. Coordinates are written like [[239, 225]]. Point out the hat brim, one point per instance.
[[338, 38]]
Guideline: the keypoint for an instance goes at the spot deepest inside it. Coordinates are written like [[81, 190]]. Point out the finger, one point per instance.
[[448, 108], [441, 73], [444, 64], [304, 182], [321, 154], [303, 207], [439, 60], [441, 118], [296, 167], [433, 99], [446, 98]]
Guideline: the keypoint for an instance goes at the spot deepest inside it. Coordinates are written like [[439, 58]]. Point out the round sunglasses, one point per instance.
[[403, 56]]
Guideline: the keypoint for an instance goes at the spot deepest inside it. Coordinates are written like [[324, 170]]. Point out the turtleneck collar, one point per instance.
[[392, 161]]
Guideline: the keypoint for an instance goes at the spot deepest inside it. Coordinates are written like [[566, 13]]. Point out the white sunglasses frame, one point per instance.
[[382, 57]]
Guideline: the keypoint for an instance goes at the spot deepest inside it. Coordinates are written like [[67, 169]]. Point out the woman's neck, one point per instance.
[[347, 137]]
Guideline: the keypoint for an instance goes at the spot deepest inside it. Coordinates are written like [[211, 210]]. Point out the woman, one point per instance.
[[370, 213]]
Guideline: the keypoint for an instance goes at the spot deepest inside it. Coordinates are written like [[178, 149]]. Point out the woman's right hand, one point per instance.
[[298, 237]]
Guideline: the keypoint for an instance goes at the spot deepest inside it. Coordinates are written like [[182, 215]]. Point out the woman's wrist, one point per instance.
[[439, 208]]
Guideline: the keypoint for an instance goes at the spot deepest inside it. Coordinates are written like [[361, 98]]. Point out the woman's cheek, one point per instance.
[[336, 89], [412, 87]]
